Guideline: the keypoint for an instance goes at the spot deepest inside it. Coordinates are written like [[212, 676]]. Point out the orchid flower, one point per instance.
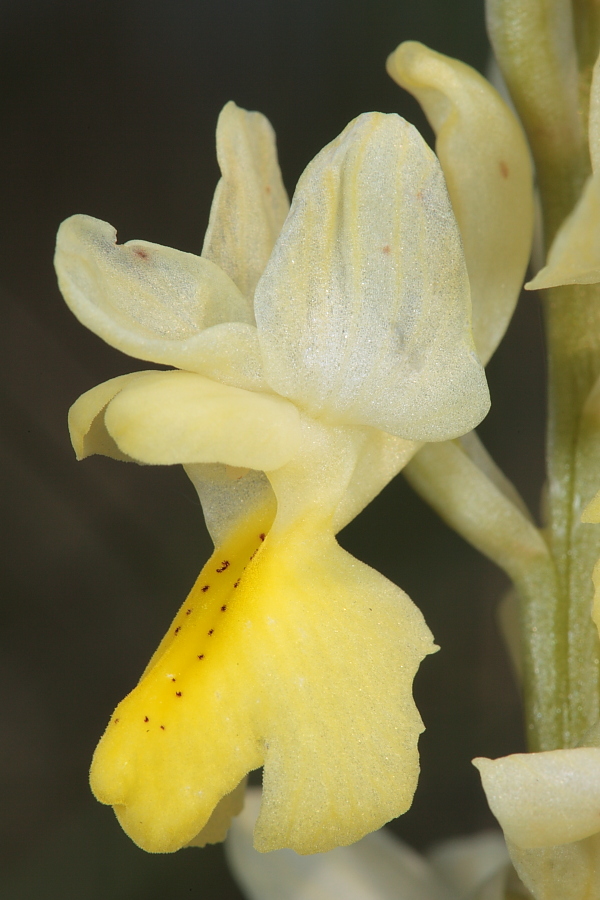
[[313, 353], [548, 805]]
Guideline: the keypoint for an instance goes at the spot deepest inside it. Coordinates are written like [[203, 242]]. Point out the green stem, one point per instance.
[[545, 49]]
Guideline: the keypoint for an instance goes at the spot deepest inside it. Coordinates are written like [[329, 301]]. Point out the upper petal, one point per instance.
[[486, 163], [544, 799], [363, 310], [147, 300], [250, 202], [180, 417]]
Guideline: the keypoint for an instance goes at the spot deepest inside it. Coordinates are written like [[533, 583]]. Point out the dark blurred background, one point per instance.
[[109, 108]]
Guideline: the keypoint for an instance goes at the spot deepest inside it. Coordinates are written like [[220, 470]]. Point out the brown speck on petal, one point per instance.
[[224, 565], [504, 171], [205, 588]]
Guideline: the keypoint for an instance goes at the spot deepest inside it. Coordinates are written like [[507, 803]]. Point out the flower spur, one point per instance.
[[288, 653]]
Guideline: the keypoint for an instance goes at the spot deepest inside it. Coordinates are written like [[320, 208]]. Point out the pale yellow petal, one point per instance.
[[250, 203], [486, 163], [86, 419], [363, 311], [574, 257], [543, 799], [180, 417], [287, 653], [147, 300]]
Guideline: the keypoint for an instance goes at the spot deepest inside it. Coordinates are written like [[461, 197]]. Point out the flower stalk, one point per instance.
[[544, 50]]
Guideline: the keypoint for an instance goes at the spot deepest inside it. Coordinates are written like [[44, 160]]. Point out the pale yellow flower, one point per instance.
[[548, 805], [574, 257], [288, 653]]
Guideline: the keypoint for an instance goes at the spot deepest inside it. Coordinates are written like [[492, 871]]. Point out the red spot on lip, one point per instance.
[[386, 249], [188, 611], [146, 719], [235, 585], [178, 693], [224, 565], [178, 629], [173, 679], [115, 721], [139, 251], [163, 727], [262, 536], [201, 656], [205, 588], [503, 168], [212, 631], [224, 607]]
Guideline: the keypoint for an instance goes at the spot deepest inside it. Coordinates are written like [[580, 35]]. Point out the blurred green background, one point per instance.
[[109, 108]]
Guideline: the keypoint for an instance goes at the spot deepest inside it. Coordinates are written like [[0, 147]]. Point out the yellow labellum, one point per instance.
[[288, 653]]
